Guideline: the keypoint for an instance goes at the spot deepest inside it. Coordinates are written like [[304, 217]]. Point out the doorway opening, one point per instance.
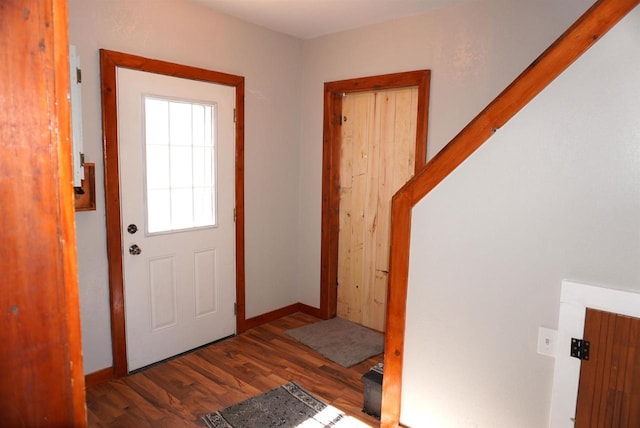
[[331, 154]]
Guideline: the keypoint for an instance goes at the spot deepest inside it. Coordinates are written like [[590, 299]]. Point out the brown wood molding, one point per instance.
[[590, 27], [42, 381], [309, 310], [271, 316], [67, 289], [333, 92], [240, 217], [279, 313], [112, 208], [109, 61], [96, 378]]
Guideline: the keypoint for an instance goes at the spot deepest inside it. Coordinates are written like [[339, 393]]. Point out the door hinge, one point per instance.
[[580, 348], [235, 308], [235, 215], [78, 75], [234, 115]]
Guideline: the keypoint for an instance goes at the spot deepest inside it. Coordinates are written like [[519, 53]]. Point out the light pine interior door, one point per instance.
[[377, 158], [177, 181]]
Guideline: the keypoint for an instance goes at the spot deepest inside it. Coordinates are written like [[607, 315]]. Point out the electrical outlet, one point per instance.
[[547, 339]]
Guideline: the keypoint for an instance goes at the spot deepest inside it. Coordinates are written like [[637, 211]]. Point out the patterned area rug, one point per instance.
[[286, 406], [342, 341]]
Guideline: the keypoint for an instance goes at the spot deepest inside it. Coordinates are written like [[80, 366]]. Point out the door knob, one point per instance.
[[132, 228], [134, 250]]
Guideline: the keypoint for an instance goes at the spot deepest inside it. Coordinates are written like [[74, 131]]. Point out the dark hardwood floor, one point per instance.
[[178, 392]]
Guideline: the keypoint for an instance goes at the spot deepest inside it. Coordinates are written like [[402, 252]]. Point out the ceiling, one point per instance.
[[306, 19]]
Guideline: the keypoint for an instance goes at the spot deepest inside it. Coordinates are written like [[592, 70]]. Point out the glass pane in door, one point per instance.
[[180, 158]]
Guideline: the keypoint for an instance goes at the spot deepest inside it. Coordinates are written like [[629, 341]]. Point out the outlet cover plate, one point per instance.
[[547, 340]]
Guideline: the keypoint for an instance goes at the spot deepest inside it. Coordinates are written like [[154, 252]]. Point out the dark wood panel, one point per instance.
[[608, 395], [178, 392]]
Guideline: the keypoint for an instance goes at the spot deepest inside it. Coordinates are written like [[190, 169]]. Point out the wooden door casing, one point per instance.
[[333, 95], [109, 61], [377, 158], [609, 390]]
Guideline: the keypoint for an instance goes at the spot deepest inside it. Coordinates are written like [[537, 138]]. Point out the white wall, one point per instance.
[[182, 32], [474, 50], [554, 194]]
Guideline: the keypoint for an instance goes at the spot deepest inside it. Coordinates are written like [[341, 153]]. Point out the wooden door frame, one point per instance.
[[333, 93], [109, 61]]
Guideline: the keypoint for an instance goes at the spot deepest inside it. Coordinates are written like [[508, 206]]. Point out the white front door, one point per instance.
[[177, 184]]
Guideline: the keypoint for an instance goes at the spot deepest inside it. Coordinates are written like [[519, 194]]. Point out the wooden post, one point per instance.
[[41, 378]]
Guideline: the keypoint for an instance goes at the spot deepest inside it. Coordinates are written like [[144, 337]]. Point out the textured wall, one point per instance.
[[554, 194], [186, 33], [474, 50]]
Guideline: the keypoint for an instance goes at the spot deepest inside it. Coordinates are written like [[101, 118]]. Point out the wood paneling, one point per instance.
[[592, 25], [333, 93], [180, 391], [109, 61], [609, 392], [377, 158], [42, 382]]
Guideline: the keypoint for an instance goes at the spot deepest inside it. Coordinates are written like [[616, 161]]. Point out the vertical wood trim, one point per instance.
[[331, 164], [112, 209], [72, 335], [590, 27], [240, 213], [109, 60], [396, 309], [422, 124], [330, 201], [42, 381]]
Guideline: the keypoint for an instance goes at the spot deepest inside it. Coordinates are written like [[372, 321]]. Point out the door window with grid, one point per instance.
[[180, 158]]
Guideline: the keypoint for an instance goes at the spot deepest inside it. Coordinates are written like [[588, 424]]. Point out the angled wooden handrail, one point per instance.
[[590, 27]]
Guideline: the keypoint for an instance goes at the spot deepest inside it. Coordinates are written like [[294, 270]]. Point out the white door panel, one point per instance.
[[180, 290]]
